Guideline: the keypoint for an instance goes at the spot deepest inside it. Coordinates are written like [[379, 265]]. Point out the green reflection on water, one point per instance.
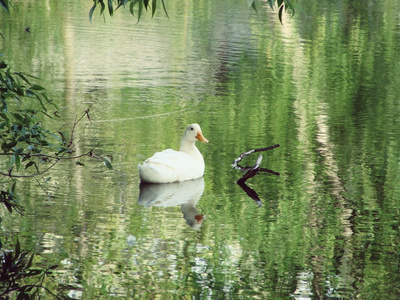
[[324, 86]]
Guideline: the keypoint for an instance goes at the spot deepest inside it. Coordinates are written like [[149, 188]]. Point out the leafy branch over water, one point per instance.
[[28, 149], [15, 271], [138, 7]]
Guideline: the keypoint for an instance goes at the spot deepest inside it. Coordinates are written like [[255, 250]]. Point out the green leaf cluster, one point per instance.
[[25, 142], [135, 7], [282, 5], [21, 102], [15, 269], [10, 199]]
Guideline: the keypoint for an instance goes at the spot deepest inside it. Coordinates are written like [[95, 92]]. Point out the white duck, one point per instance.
[[171, 166]]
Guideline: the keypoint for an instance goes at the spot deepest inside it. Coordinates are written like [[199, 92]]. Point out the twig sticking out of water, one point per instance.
[[252, 171], [244, 154]]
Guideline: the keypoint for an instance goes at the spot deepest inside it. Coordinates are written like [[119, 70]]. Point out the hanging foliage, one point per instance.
[[28, 149], [137, 7]]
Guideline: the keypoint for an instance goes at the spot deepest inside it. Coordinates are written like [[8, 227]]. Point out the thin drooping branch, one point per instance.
[[45, 157], [71, 140], [57, 160]]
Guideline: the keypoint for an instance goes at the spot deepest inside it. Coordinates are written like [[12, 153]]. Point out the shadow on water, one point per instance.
[[252, 171], [185, 194]]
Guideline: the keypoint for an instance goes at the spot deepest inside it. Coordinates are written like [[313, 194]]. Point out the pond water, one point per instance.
[[325, 86]]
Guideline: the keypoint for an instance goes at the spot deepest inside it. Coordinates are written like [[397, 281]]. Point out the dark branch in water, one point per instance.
[[244, 154], [249, 191], [252, 171], [53, 159]]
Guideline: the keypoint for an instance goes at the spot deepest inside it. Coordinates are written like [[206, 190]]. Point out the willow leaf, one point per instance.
[[103, 6], [165, 9], [131, 8], [280, 13], [110, 7], [140, 9], [107, 162], [146, 4], [153, 7], [91, 12]]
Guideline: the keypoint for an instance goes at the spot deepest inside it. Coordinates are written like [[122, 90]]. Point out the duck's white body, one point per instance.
[[171, 166]]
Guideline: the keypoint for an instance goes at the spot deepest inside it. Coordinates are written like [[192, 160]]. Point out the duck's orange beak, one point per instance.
[[201, 138]]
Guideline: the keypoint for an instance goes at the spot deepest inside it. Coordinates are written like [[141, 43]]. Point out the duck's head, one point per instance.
[[193, 133]]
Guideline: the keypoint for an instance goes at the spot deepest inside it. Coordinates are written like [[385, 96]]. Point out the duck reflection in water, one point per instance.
[[186, 194]]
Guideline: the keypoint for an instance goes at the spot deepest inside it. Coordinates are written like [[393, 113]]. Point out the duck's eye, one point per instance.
[[191, 128]]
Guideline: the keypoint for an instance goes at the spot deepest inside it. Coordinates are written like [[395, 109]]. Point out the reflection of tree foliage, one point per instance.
[[16, 270]]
